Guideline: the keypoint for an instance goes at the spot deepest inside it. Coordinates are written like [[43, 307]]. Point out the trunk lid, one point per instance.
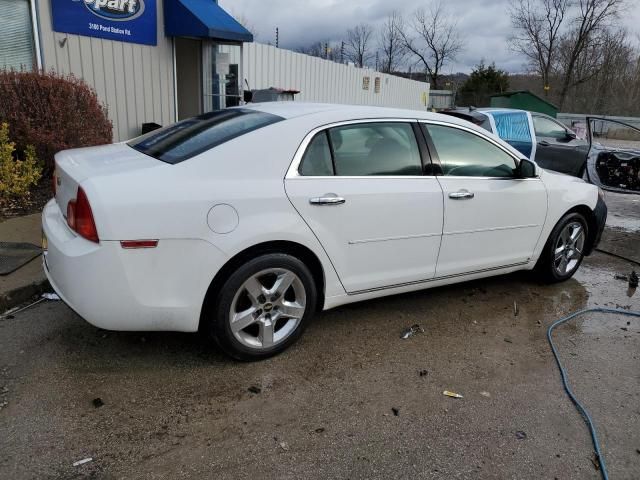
[[75, 166]]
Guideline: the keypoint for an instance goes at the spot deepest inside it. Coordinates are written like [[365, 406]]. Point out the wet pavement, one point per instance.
[[350, 400]]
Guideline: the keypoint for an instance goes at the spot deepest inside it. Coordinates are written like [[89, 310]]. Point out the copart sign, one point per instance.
[[132, 21]]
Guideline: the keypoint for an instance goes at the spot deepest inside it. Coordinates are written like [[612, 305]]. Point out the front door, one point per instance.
[[360, 188], [557, 148], [491, 219]]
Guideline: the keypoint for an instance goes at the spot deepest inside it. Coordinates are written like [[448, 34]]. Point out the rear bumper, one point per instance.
[[600, 213], [113, 288]]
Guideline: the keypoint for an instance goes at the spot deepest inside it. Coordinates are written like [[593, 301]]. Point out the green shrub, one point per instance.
[[16, 175]]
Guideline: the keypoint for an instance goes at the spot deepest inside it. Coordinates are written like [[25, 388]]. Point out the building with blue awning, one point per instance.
[[150, 61], [153, 62]]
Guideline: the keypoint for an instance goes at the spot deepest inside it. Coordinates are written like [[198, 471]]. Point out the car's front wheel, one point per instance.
[[564, 250], [263, 307]]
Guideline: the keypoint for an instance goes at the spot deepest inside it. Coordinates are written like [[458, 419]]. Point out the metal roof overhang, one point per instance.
[[202, 19]]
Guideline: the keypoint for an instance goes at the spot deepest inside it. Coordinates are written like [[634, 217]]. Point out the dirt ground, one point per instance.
[[350, 400]]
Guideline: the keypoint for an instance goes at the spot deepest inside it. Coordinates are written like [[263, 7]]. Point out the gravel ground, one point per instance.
[[350, 400]]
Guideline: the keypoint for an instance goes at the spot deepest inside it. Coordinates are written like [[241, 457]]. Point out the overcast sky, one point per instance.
[[485, 24]]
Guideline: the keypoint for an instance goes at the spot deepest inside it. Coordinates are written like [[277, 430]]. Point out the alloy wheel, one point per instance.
[[568, 249], [267, 308]]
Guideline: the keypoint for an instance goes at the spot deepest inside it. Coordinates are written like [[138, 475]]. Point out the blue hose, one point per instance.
[[565, 382]]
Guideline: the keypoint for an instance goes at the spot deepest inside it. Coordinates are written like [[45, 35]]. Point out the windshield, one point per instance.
[[188, 138]]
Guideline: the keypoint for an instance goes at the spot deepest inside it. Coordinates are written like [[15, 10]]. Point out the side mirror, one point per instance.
[[526, 169], [571, 135]]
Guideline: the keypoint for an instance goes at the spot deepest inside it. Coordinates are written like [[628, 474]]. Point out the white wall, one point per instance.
[[324, 81], [134, 81]]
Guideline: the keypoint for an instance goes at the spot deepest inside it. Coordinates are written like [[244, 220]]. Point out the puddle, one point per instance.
[[605, 323], [624, 223]]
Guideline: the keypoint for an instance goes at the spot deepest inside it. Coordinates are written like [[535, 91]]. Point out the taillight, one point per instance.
[[80, 217]]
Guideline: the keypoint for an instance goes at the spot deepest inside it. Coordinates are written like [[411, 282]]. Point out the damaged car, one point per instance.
[[614, 155], [541, 138]]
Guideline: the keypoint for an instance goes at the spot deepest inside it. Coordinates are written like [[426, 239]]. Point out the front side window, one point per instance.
[[545, 127], [188, 138], [465, 154]]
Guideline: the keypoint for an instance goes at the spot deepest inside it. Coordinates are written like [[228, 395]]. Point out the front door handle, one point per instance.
[[461, 195], [544, 143], [327, 199]]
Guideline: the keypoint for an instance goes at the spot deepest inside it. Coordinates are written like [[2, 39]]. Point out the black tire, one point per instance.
[[545, 268], [217, 313]]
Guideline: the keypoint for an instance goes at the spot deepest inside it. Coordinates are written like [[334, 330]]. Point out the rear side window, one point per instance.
[[364, 149], [466, 154], [188, 138], [317, 159]]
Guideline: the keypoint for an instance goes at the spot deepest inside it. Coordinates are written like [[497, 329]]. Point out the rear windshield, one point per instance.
[[476, 118], [188, 138]]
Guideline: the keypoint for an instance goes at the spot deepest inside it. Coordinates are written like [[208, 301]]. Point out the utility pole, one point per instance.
[[277, 36], [342, 52], [377, 60]]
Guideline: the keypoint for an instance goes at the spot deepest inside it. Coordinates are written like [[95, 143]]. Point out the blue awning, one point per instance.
[[202, 19]]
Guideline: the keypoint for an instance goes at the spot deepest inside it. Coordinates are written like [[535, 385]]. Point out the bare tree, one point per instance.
[[592, 20], [432, 36], [326, 50], [390, 43], [538, 33], [358, 44]]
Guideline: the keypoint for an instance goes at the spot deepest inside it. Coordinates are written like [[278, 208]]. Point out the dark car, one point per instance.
[[541, 138]]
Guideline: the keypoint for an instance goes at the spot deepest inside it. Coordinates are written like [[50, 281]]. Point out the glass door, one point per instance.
[[221, 75]]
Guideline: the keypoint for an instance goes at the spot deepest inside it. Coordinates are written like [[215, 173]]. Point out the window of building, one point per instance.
[[16, 35], [376, 85], [466, 154], [365, 83]]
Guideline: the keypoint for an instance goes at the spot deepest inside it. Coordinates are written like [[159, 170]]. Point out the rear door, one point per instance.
[[360, 187], [558, 148], [492, 220]]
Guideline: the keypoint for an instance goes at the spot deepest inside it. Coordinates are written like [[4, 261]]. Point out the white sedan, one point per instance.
[[244, 222]]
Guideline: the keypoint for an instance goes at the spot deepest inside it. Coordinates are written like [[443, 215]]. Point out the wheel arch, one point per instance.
[[592, 224], [306, 255]]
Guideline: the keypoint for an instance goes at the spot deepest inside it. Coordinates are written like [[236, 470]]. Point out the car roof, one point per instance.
[[319, 114], [290, 110]]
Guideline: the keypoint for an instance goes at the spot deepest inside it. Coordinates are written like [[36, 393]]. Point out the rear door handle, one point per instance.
[[327, 199], [544, 143], [461, 195]]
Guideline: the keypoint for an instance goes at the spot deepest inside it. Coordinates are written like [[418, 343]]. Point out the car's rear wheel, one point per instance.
[[564, 250], [263, 307]]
